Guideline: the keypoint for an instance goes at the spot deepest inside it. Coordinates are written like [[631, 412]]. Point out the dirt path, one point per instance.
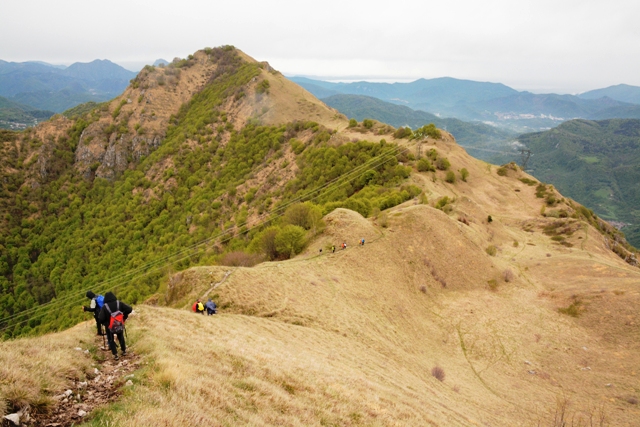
[[102, 386], [215, 285]]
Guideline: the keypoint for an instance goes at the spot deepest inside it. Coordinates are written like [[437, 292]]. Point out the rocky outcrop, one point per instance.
[[97, 156]]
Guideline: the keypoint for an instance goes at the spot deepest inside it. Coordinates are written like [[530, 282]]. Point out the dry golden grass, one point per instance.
[[32, 370], [351, 338], [283, 103]]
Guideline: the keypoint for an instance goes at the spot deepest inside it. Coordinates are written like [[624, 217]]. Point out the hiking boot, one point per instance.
[[124, 352], [116, 357]]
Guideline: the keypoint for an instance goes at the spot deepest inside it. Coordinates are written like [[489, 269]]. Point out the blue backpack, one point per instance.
[[100, 301]]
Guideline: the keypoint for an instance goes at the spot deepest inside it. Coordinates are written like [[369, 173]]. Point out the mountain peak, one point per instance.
[[205, 177]]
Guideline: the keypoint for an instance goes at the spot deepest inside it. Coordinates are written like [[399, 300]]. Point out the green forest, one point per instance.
[[69, 235], [597, 164], [14, 114]]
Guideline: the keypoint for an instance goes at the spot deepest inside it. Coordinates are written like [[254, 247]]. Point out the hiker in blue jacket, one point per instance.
[[94, 307], [211, 307], [110, 309]]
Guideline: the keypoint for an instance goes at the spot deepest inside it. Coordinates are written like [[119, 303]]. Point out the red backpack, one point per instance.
[[116, 322]]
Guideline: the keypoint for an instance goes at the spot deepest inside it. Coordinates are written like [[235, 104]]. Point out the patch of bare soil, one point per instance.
[[105, 385]]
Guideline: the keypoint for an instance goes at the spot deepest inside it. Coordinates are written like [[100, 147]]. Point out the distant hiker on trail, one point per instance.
[[211, 307], [320, 251], [113, 315], [94, 307], [198, 307], [333, 249], [344, 245], [362, 242]]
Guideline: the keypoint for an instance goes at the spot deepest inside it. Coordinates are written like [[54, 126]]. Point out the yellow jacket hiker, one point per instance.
[[198, 307]]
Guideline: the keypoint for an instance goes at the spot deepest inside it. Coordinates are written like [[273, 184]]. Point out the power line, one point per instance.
[[72, 299], [268, 217], [369, 164]]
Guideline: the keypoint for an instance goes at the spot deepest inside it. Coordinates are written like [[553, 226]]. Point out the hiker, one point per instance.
[[94, 307], [344, 245], [113, 315], [211, 307], [198, 307], [333, 249], [362, 242]]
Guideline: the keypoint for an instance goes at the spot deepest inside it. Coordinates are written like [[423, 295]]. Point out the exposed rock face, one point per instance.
[[109, 158], [135, 123]]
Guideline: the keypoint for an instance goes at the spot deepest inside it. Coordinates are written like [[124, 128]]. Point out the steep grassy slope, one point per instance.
[[352, 337], [596, 163], [522, 300], [132, 188]]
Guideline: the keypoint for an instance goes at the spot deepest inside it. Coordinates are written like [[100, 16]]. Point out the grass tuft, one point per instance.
[[508, 275], [573, 310], [438, 373]]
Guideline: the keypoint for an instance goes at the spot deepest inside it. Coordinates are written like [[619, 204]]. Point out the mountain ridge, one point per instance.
[[593, 162], [471, 301], [492, 103], [42, 86], [362, 107], [621, 92]]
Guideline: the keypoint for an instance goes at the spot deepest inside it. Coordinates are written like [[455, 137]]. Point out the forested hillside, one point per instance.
[[17, 116], [474, 136], [481, 297], [215, 185], [595, 162]]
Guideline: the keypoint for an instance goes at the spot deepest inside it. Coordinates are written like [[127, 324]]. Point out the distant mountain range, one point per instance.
[[491, 103], [596, 163], [47, 87], [14, 115], [478, 135], [624, 93]]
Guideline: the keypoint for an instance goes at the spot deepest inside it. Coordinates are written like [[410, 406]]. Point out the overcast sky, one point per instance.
[[564, 46]]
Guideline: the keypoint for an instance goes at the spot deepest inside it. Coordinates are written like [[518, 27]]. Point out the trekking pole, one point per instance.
[[104, 340], [125, 332]]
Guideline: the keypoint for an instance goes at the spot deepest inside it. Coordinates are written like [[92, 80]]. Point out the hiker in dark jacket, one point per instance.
[[94, 307], [211, 307], [111, 306]]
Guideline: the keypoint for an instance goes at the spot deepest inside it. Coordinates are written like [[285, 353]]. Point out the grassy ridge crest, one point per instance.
[[70, 234]]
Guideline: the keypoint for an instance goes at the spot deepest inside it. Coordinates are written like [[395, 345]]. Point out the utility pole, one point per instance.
[[525, 158]]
